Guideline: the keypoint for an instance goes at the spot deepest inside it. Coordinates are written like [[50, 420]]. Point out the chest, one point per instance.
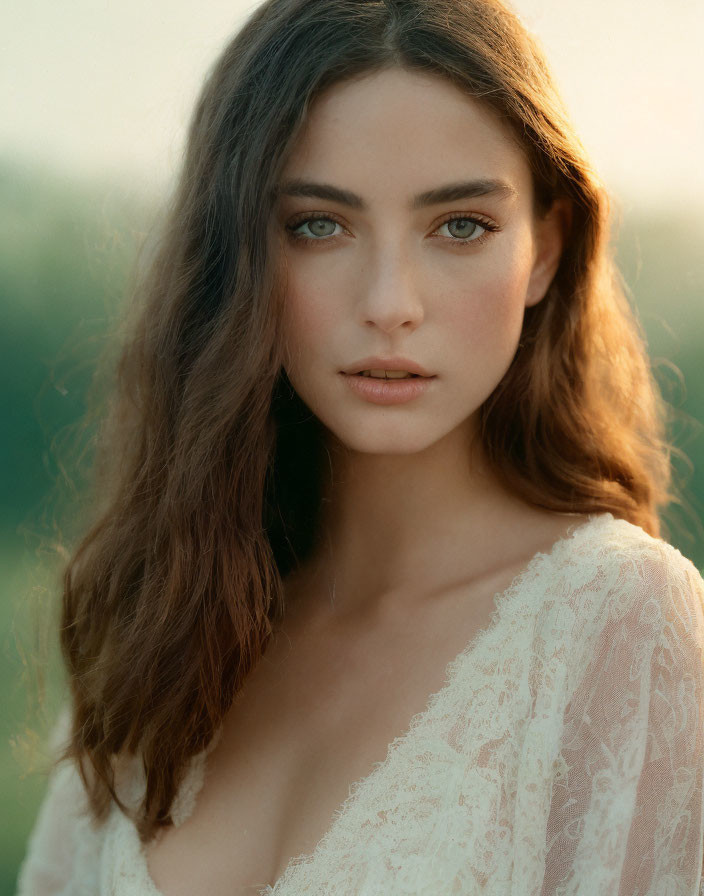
[[316, 715]]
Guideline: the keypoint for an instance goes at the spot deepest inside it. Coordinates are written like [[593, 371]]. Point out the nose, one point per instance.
[[390, 291]]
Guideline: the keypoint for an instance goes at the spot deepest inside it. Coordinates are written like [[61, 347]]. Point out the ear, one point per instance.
[[550, 233]]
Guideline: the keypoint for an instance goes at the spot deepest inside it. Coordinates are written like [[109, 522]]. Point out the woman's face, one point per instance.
[[386, 275]]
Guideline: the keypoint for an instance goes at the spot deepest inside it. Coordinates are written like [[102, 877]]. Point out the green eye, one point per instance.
[[468, 229], [315, 226]]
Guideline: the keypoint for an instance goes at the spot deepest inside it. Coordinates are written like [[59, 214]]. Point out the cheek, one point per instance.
[[309, 318], [488, 308]]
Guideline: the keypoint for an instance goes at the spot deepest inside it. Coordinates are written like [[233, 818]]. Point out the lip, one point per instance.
[[376, 363], [380, 391]]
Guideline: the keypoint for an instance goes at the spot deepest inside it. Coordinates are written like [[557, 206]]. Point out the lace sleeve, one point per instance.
[[64, 846], [627, 804]]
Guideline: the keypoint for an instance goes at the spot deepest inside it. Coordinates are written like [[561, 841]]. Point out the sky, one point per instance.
[[99, 87]]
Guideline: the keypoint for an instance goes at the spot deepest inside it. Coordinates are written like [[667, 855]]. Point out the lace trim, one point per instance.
[[503, 605], [504, 601]]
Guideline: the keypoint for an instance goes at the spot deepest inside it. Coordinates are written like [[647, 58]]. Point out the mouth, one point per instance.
[[387, 368], [404, 376], [387, 390]]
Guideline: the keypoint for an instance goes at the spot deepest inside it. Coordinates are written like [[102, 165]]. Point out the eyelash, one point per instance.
[[489, 228]]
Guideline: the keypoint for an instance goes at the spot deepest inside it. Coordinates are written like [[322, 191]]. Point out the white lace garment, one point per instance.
[[563, 756]]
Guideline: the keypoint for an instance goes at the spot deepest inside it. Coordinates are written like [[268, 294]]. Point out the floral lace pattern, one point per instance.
[[564, 755]]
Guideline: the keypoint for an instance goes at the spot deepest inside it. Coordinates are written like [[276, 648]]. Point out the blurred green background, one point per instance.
[[67, 251]]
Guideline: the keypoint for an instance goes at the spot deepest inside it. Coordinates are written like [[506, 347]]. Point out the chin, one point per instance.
[[384, 437]]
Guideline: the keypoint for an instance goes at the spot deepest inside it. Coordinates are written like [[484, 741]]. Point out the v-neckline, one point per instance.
[[503, 601]]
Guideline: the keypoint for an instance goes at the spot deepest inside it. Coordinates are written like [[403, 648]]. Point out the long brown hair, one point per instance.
[[207, 478]]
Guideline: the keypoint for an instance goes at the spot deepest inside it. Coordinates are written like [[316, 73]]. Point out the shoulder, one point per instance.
[[664, 603], [655, 602], [616, 584], [648, 573], [624, 614], [64, 845], [623, 558], [66, 784]]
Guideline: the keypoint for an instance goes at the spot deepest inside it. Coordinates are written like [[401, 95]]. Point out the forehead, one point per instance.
[[393, 131]]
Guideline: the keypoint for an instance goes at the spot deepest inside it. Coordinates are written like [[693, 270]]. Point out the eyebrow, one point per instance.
[[466, 189]]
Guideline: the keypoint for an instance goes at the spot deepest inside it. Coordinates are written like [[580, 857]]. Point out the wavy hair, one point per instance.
[[207, 476]]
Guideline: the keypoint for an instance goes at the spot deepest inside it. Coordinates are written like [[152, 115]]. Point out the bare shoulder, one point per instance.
[[529, 531], [546, 527]]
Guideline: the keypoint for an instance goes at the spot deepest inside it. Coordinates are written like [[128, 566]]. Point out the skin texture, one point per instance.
[[404, 501]]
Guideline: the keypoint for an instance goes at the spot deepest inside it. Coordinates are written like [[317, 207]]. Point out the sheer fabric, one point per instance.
[[563, 756]]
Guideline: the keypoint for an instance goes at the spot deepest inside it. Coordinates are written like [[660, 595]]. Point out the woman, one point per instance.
[[338, 629]]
